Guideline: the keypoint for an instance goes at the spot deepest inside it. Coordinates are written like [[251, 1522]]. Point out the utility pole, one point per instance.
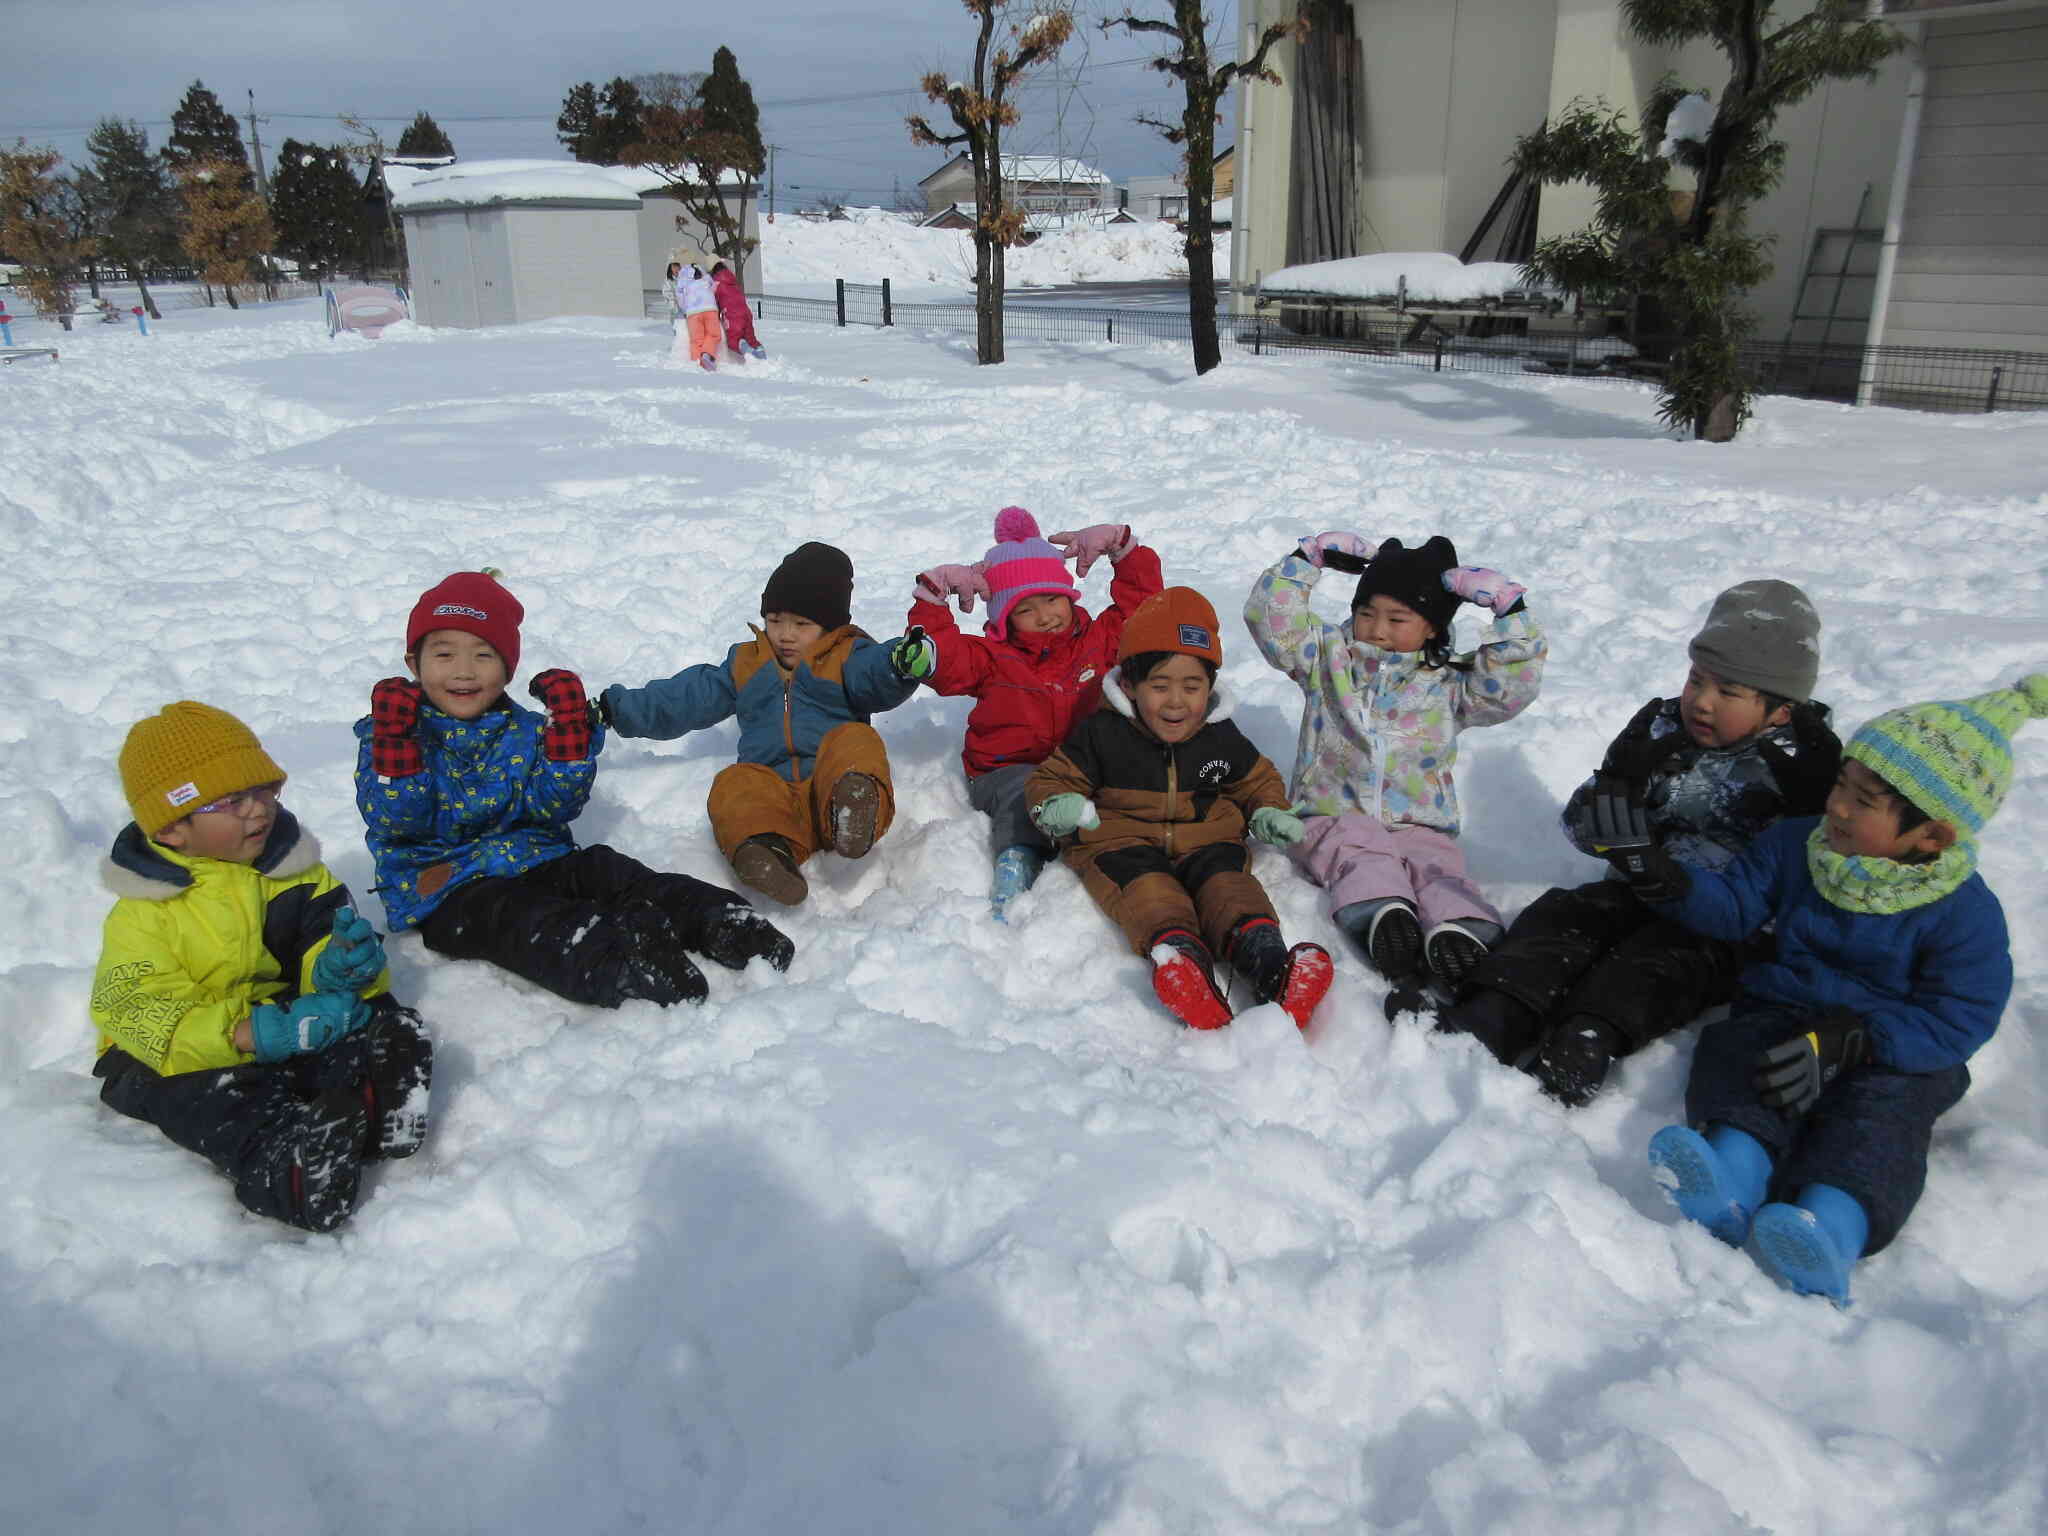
[[771, 148], [256, 150]]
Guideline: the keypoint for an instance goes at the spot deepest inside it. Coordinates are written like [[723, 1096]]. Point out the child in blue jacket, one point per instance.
[[1823, 1084], [468, 798], [812, 773]]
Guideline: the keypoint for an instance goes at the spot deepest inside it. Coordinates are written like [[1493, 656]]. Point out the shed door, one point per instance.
[[444, 261], [490, 255]]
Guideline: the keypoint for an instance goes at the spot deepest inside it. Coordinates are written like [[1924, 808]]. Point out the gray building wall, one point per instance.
[[1971, 269], [501, 265]]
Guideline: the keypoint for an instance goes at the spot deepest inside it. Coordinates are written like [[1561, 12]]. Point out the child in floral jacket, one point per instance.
[[1385, 701]]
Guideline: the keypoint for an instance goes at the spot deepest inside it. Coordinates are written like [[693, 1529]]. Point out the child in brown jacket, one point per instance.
[[1151, 800]]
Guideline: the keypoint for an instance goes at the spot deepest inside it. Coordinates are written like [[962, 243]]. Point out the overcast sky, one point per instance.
[[834, 81]]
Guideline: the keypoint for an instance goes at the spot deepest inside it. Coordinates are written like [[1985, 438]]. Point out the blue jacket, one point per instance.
[[783, 716], [1929, 983], [488, 802]]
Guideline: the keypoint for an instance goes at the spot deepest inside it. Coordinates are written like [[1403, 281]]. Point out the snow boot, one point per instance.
[[1182, 977], [1452, 950], [1812, 1246], [707, 362], [653, 967], [398, 1080], [735, 934], [1573, 1062], [768, 864], [1423, 996], [324, 1173], [756, 348], [1389, 935], [1017, 870], [1309, 974], [1294, 978], [856, 814], [1717, 1180], [1505, 1025]]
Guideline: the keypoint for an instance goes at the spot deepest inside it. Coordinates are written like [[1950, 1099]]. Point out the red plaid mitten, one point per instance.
[[394, 711], [566, 736]]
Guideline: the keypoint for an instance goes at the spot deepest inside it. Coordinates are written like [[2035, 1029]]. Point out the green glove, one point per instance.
[[1063, 815], [914, 658], [1283, 829]]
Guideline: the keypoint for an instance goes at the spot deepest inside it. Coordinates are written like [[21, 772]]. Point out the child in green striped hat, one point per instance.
[[1821, 1088]]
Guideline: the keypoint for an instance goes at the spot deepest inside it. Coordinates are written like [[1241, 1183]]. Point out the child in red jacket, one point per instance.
[[1037, 673], [733, 310]]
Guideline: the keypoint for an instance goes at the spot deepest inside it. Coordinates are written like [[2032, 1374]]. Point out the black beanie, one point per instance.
[[815, 582], [1414, 577]]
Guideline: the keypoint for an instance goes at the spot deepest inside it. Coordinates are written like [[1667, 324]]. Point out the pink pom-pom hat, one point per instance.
[[1021, 565]]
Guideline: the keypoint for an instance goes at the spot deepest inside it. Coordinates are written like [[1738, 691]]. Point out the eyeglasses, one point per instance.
[[242, 800]]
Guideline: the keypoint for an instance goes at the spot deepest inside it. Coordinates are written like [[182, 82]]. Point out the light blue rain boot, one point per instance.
[[1813, 1245], [1717, 1180], [1017, 868]]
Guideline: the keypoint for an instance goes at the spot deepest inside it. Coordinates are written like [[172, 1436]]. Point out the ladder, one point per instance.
[[1840, 282]]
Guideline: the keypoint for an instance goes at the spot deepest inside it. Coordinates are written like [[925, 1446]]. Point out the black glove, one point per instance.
[[1338, 560], [1805, 774], [1792, 1074], [1635, 755], [1619, 830]]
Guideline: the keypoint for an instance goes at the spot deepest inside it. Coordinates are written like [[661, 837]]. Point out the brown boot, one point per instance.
[[856, 812], [767, 864]]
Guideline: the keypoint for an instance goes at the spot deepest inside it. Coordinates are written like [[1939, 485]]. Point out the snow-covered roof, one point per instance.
[[516, 181], [1037, 168], [1430, 275], [1039, 222]]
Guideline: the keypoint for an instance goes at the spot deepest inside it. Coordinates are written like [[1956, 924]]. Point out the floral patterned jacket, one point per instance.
[[1379, 734]]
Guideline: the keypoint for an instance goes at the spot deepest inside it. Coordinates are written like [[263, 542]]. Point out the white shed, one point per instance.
[[495, 246]]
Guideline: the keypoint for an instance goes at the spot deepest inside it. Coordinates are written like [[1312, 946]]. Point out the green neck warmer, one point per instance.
[[1857, 883]]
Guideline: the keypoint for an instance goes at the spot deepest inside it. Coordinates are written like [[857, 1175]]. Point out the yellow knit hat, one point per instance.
[[188, 755]]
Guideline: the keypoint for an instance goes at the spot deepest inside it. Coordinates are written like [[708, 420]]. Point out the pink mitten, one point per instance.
[[1316, 545], [1488, 589], [963, 582], [1088, 545]]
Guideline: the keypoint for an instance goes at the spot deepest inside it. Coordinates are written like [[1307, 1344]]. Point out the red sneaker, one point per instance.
[[1309, 973], [1184, 985]]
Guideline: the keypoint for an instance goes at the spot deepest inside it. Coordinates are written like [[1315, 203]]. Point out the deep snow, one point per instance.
[[951, 1230]]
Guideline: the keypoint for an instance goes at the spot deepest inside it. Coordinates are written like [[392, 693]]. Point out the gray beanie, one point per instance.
[[1764, 635]]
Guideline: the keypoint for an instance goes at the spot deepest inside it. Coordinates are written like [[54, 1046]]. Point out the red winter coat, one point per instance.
[[1027, 697], [733, 308]]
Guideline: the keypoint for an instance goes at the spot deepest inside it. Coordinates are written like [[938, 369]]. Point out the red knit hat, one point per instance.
[[1021, 565], [473, 602], [1178, 619]]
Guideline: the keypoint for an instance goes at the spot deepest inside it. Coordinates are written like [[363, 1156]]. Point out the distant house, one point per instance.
[[496, 242], [1166, 197], [1035, 183]]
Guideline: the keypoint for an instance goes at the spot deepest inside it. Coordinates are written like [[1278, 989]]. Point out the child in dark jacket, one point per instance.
[[468, 799], [1151, 800], [812, 772], [1822, 1086], [1588, 975], [1035, 670], [735, 312], [243, 1007]]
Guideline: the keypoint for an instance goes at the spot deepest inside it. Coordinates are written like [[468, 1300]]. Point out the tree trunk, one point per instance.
[[229, 290], [148, 303], [207, 288], [92, 278], [1199, 123]]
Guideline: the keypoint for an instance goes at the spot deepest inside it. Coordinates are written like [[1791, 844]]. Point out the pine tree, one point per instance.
[[316, 205], [981, 109], [34, 231], [423, 139], [577, 125], [1695, 258], [702, 135], [1204, 84], [728, 106], [226, 225], [618, 121], [202, 130], [134, 213]]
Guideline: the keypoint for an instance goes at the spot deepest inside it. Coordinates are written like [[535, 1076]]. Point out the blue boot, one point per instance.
[[1812, 1246], [1717, 1180], [1017, 869]]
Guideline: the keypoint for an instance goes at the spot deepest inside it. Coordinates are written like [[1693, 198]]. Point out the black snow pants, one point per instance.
[[576, 925], [1596, 950]]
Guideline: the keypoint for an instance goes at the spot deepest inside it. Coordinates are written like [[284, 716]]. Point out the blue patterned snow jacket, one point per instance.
[[783, 715], [487, 803], [1929, 983]]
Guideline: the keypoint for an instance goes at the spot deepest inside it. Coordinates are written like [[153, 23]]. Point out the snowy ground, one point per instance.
[[951, 1230]]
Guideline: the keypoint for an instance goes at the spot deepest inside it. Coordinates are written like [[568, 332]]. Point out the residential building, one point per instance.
[[1034, 183]]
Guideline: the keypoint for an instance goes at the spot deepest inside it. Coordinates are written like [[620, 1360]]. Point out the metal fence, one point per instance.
[[1923, 378]]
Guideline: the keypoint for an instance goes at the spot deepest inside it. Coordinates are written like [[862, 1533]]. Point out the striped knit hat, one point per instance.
[[1021, 565], [1952, 758]]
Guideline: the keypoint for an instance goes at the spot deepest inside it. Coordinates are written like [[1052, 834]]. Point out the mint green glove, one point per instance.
[[1283, 829], [1063, 815]]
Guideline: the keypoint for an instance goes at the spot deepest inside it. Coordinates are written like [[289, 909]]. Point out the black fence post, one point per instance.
[[1109, 329], [1258, 336], [1439, 368], [888, 313], [839, 298], [1991, 398]]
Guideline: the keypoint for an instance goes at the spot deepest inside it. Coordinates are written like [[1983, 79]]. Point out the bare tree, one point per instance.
[[981, 109], [1203, 85]]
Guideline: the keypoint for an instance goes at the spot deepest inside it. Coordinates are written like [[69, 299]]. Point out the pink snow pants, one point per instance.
[[1356, 858]]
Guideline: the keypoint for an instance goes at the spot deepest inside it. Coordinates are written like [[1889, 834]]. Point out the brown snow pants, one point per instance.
[[1145, 892], [748, 799]]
